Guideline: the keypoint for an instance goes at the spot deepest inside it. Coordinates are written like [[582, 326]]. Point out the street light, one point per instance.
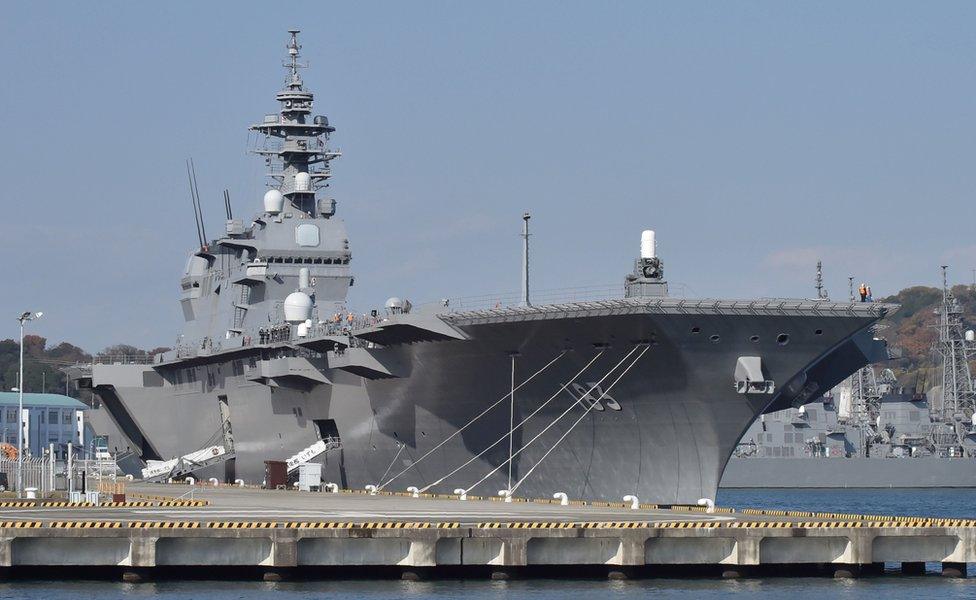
[[27, 316]]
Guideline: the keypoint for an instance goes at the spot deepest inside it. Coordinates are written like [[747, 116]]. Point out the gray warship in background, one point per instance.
[[638, 393], [870, 432]]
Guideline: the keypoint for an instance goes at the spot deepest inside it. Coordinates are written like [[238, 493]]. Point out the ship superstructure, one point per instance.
[[638, 393]]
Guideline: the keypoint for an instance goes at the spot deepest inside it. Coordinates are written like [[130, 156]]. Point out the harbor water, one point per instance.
[[943, 503]]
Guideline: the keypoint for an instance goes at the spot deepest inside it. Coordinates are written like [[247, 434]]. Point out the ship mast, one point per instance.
[[294, 147], [958, 393]]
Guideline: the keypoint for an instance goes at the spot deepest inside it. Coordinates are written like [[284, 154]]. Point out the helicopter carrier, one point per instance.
[[871, 432], [639, 393]]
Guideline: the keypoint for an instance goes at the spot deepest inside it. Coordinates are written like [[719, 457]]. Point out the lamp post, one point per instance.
[[27, 316]]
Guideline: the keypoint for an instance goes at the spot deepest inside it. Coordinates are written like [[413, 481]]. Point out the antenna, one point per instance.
[[196, 191], [230, 213], [193, 200], [821, 292], [525, 259], [850, 287]]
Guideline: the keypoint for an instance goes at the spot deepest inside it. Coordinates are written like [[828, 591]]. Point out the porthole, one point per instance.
[[754, 338], [818, 332], [714, 338], [783, 339], [696, 329]]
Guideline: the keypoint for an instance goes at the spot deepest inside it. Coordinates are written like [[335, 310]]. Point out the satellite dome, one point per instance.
[[303, 182], [394, 302], [298, 307], [273, 202]]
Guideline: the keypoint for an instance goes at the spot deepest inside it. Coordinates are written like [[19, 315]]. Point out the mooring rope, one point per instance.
[[396, 456], [468, 424], [578, 421], [523, 422], [556, 420]]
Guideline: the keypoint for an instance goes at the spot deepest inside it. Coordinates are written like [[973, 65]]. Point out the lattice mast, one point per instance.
[[958, 393], [294, 147]]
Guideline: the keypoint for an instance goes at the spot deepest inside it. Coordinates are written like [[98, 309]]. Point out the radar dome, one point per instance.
[[273, 202], [394, 302], [298, 307], [303, 182]]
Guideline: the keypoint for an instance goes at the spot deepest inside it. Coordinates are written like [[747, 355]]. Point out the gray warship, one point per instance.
[[636, 393], [871, 432]]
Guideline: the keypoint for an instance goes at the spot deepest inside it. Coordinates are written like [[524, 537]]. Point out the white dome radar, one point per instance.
[[274, 202], [298, 307], [303, 182]]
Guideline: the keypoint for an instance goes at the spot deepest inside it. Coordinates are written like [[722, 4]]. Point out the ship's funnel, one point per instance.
[[648, 244]]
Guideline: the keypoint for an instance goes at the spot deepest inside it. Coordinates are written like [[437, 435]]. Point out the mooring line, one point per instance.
[[524, 421], [578, 421], [556, 420], [468, 424]]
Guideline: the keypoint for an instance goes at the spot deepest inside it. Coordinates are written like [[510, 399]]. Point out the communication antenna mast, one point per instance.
[[821, 291], [850, 288], [958, 393], [525, 259]]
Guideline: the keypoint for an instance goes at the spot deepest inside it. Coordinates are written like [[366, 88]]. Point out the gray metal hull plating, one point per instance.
[[924, 472], [673, 422]]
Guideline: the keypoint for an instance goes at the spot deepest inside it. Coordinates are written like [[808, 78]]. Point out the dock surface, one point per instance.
[[161, 531]]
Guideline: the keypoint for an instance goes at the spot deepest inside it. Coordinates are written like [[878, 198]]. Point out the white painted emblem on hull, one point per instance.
[[591, 394]]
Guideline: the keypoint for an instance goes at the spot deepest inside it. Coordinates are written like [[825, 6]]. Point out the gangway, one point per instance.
[[320, 447], [212, 454]]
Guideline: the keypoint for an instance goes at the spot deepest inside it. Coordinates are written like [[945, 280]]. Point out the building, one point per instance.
[[49, 419]]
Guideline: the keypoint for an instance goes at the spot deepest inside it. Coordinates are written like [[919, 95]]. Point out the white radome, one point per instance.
[[303, 182], [274, 202], [298, 307]]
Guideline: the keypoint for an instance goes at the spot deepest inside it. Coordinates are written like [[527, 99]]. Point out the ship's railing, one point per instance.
[[123, 359]]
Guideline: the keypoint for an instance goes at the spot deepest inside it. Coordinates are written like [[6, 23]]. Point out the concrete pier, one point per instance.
[[280, 535]]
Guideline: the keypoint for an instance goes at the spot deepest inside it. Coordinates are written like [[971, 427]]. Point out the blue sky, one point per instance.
[[755, 137]]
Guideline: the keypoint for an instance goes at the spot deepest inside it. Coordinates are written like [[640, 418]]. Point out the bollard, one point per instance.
[[506, 494], [129, 477], [332, 487], [562, 497], [239, 482], [414, 492], [462, 493], [634, 502], [214, 482], [708, 503], [190, 481], [371, 489]]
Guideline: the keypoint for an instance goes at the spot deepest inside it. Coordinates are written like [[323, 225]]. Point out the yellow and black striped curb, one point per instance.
[[20, 524], [86, 524], [166, 525], [132, 504]]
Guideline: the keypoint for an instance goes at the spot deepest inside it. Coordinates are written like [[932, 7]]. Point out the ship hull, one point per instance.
[[922, 472], [663, 432]]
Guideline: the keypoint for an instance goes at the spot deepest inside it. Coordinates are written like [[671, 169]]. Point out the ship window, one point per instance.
[[696, 329], [754, 338], [714, 338], [783, 339]]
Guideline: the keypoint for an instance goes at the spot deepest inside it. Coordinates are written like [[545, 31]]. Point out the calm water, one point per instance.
[[948, 503]]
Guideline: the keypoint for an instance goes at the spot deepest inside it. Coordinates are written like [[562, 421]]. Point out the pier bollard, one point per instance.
[[708, 503], [239, 482], [371, 489], [562, 497], [462, 493], [506, 494], [214, 482], [634, 502], [953, 569], [414, 492], [190, 481], [332, 487]]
